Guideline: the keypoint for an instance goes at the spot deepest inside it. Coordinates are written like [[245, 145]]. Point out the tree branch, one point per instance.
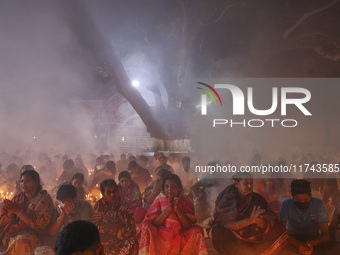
[[321, 52], [322, 44], [306, 16], [221, 15], [215, 21]]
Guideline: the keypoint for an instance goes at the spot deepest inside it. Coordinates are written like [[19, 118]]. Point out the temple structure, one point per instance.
[[115, 123]]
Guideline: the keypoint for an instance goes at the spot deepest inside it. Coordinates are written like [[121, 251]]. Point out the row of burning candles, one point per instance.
[[9, 195], [5, 195], [92, 199]]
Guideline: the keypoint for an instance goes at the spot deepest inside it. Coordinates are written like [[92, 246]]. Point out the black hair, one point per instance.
[[132, 164], [106, 183], [77, 236], [300, 187], [282, 163], [175, 178], [79, 159], [66, 191], [34, 175], [173, 155], [49, 160], [125, 174], [143, 158], [64, 158], [163, 173], [111, 166], [241, 175], [185, 159], [26, 167], [78, 176], [12, 167], [132, 158], [100, 160], [213, 163], [68, 164]]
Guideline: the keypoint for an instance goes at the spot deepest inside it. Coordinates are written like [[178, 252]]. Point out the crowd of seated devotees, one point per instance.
[[32, 219], [163, 219], [244, 224]]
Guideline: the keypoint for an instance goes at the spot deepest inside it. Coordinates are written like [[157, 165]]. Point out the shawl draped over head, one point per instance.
[[227, 209], [133, 196]]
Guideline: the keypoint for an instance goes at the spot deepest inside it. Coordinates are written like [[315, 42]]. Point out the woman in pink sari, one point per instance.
[[168, 227]]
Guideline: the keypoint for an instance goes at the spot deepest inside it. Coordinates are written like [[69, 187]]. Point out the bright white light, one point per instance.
[[135, 83], [33, 137]]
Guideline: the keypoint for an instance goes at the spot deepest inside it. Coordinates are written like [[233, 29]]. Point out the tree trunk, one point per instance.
[[89, 35]]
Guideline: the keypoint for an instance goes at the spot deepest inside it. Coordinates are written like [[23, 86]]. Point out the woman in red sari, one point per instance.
[[26, 217], [243, 221], [168, 227], [130, 193], [115, 222]]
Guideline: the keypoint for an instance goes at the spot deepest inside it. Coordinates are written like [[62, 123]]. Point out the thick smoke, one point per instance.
[[41, 71]]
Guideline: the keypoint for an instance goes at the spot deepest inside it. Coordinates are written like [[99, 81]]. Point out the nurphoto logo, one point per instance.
[[295, 96]]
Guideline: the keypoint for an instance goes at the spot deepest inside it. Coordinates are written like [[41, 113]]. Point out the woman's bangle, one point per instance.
[[153, 192], [18, 215], [180, 216], [164, 213]]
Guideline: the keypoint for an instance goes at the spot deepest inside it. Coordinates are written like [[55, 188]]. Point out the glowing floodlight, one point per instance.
[[135, 83]]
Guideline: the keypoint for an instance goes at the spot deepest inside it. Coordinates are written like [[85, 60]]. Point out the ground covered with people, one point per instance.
[[159, 205]]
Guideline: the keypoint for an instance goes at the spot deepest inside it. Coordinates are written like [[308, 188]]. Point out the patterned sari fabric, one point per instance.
[[147, 193], [228, 209], [171, 238], [18, 238], [116, 226], [134, 198]]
